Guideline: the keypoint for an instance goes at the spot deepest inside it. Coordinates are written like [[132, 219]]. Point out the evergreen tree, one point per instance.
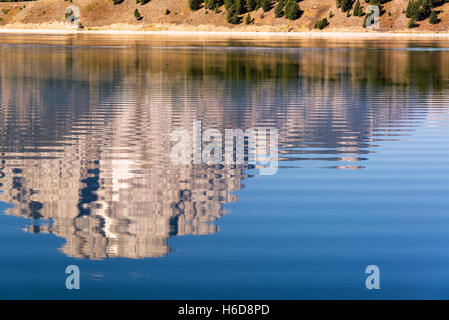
[[251, 5], [345, 5], [321, 24], [137, 14], [239, 6], [195, 4], [228, 3], [232, 15], [266, 5], [434, 18], [358, 11], [279, 9], [412, 23], [213, 4], [248, 19], [420, 9], [292, 10], [368, 14], [426, 9]]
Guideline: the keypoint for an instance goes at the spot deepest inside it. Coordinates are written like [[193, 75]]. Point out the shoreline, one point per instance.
[[244, 34]]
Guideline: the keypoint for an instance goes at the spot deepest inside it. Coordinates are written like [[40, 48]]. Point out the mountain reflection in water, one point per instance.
[[85, 131]]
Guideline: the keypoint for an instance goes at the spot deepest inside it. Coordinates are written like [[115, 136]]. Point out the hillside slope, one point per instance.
[[102, 14]]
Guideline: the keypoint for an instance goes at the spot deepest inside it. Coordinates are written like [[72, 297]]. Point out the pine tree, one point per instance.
[[213, 4], [279, 9], [266, 5], [195, 4], [367, 15], [239, 6], [292, 10], [426, 8], [321, 24], [137, 14], [434, 18], [358, 11], [412, 23], [421, 9], [232, 15], [248, 19], [345, 5], [228, 3], [251, 5]]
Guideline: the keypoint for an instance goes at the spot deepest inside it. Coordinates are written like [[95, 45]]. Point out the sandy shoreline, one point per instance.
[[245, 34]]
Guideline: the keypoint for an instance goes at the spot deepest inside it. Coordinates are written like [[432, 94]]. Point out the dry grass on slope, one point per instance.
[[103, 14]]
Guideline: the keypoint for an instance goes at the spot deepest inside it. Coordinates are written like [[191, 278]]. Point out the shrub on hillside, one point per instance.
[[321, 24]]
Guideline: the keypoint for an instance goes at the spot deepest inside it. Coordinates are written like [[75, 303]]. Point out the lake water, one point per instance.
[[86, 177]]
